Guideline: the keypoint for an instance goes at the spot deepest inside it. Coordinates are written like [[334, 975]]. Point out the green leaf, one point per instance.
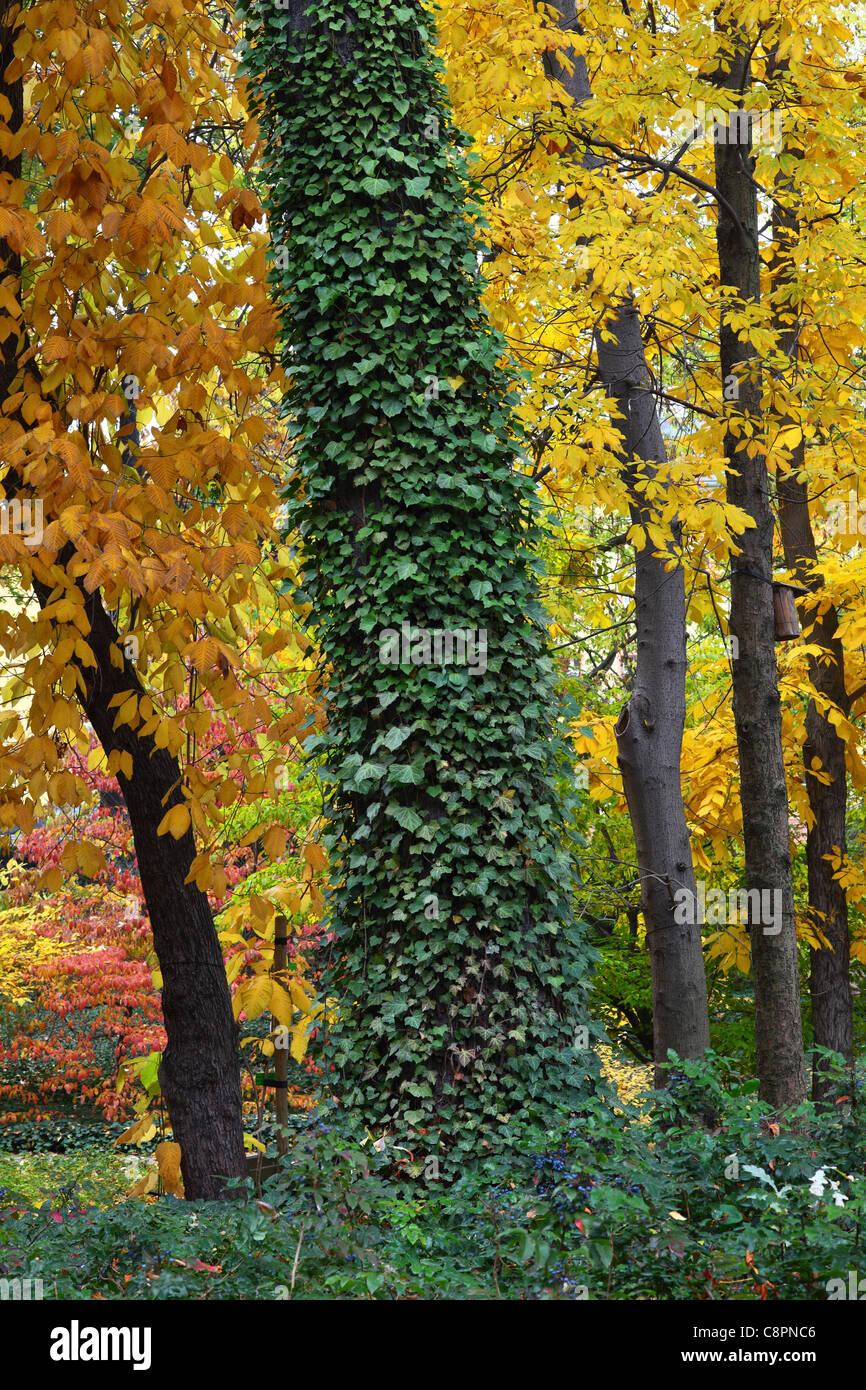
[[397, 736], [405, 817], [415, 187], [377, 188]]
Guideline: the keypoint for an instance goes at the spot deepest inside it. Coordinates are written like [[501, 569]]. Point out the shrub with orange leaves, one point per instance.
[[77, 983]]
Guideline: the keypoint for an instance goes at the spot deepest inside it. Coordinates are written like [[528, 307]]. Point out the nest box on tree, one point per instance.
[[785, 610]]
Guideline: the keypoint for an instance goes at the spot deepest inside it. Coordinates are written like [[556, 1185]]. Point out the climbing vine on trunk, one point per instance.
[[458, 964]]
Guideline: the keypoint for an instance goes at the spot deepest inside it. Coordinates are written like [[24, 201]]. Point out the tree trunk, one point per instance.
[[200, 1069], [757, 709], [200, 1074], [459, 968], [649, 731], [829, 980]]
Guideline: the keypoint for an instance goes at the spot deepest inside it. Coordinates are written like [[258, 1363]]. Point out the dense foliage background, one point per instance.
[[291, 361]]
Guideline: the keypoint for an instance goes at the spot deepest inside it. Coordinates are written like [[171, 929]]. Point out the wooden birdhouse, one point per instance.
[[785, 617]]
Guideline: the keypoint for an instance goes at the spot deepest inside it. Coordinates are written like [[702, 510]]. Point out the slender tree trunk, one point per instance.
[[649, 731], [10, 167], [200, 1074], [823, 750], [757, 709]]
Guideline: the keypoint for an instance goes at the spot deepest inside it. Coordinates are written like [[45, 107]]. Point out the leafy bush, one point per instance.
[[57, 1134], [82, 1177], [708, 1197]]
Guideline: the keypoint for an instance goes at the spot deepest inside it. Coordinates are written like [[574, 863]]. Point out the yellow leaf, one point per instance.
[[274, 841], [72, 519], [233, 969], [168, 1162], [67, 43], [147, 1184], [51, 881], [175, 822], [300, 1039], [315, 857], [280, 1004], [253, 997], [139, 1133], [90, 860], [127, 712]]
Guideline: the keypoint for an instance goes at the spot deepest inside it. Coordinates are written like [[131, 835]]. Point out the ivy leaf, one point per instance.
[[415, 187], [396, 737], [405, 817], [377, 188]]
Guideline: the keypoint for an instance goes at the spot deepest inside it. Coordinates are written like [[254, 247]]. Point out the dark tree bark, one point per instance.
[[757, 709], [649, 731], [10, 166], [829, 980], [200, 1073]]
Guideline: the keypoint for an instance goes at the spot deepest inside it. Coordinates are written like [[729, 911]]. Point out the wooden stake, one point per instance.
[[281, 1054]]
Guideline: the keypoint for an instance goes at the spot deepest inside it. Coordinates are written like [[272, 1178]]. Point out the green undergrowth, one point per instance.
[[87, 1177], [706, 1197]]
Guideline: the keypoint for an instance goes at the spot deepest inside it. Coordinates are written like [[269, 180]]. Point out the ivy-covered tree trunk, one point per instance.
[[649, 731], [757, 708], [457, 964]]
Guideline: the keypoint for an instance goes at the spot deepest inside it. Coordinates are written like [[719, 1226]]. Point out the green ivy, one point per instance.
[[460, 970]]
